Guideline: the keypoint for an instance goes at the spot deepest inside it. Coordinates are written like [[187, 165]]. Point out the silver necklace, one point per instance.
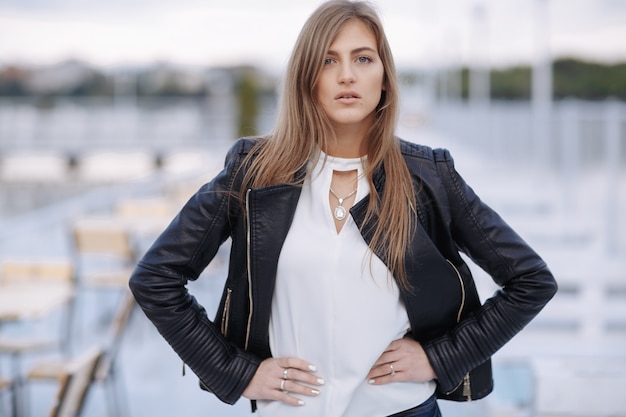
[[340, 211]]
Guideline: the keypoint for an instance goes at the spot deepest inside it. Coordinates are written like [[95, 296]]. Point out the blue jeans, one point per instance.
[[428, 408]]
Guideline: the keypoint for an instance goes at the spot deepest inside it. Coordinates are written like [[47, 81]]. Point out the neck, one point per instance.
[[350, 142]]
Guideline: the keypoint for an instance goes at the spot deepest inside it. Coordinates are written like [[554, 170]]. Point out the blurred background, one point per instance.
[[113, 113]]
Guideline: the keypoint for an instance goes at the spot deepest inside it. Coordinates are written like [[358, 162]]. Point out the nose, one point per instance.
[[346, 74]]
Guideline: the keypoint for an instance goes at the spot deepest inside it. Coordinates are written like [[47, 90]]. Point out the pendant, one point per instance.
[[340, 213]]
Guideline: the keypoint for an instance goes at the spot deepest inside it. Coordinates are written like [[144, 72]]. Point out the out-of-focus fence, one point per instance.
[[158, 124], [579, 146]]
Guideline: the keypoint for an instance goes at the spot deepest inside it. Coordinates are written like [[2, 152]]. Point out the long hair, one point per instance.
[[302, 128]]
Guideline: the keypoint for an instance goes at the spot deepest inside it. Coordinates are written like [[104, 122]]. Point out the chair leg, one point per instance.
[[117, 404], [2, 395], [15, 403], [68, 329]]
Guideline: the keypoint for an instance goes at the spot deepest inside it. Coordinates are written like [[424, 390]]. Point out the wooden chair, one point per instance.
[[75, 380], [106, 371], [146, 216], [44, 275], [7, 386], [46, 281], [19, 271], [150, 207], [104, 252]]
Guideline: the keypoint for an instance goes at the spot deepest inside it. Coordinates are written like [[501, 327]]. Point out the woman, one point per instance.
[[346, 294]]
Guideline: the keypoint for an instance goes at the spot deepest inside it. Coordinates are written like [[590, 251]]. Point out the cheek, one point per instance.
[[321, 88], [376, 81], [378, 87]]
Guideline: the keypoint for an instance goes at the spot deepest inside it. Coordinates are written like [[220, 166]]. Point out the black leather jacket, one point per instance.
[[458, 333]]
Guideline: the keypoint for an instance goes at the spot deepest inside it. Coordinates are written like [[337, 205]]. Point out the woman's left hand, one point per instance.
[[403, 360]]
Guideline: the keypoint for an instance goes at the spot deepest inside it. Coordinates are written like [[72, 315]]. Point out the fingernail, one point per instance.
[[320, 381], [300, 402], [372, 381], [315, 392], [313, 368]]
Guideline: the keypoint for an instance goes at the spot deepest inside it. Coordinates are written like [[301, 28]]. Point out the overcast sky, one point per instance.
[[262, 32]]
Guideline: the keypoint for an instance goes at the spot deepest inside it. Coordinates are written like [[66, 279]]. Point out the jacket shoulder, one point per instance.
[[244, 146], [424, 152]]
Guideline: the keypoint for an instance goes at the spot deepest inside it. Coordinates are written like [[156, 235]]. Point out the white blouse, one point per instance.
[[336, 305]]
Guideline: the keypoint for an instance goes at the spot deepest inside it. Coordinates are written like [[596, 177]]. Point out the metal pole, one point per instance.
[[541, 89], [570, 154], [612, 157], [479, 77]]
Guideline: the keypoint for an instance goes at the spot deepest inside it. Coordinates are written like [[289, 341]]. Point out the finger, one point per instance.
[[393, 353], [286, 398], [396, 344], [299, 376], [387, 379], [390, 372], [296, 363], [299, 370], [383, 370], [294, 387], [384, 359], [389, 357]]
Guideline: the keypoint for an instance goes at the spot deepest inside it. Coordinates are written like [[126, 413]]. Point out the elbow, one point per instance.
[[548, 285], [553, 287], [531, 291], [134, 281], [144, 284], [138, 284], [534, 291]]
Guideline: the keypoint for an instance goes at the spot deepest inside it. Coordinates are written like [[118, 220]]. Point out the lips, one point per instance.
[[347, 95]]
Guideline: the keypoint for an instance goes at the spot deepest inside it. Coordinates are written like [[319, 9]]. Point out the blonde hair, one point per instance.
[[303, 128]]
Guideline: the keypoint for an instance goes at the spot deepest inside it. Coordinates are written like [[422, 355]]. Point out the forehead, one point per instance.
[[354, 34]]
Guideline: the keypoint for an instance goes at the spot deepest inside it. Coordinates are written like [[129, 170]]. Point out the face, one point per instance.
[[351, 82]]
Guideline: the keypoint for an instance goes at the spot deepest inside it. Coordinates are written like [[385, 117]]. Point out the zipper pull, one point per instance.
[[184, 369], [467, 390]]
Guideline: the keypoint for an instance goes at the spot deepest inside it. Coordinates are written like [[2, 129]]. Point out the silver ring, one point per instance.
[[393, 372], [285, 373], [282, 384]]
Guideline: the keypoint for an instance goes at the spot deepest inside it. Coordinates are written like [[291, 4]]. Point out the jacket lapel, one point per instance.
[[427, 271], [270, 210]]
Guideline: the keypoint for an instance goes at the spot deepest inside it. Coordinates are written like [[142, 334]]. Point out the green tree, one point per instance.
[[248, 103]]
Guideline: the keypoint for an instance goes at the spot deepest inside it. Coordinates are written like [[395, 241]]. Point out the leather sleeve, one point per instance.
[[159, 281], [526, 284]]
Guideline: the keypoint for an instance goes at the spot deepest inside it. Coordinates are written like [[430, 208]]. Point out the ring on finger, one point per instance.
[[393, 372], [285, 373], [282, 384]]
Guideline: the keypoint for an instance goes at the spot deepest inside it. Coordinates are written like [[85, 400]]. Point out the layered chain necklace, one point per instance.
[[340, 211]]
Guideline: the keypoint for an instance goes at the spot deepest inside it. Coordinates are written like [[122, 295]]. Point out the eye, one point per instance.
[[328, 61], [364, 59]]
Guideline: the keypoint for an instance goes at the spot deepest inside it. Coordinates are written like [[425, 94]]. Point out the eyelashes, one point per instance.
[[362, 59]]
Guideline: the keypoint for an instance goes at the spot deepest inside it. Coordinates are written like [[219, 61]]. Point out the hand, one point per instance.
[[403, 360], [267, 383]]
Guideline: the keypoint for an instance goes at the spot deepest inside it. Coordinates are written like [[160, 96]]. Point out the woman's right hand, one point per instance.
[[299, 378]]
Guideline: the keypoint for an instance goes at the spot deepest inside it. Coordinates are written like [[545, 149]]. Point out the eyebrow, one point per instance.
[[355, 51]]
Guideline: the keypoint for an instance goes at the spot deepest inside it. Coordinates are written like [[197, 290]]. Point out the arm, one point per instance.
[[159, 285], [525, 281]]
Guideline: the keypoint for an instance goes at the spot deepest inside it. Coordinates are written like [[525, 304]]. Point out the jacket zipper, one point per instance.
[[467, 387], [226, 312], [458, 274], [248, 260], [224, 329]]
